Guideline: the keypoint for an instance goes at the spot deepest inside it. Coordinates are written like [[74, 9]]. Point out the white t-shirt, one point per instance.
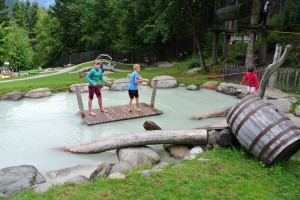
[[266, 6]]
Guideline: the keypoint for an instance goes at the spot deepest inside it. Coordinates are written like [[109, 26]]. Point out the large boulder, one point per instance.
[[103, 170], [138, 156], [297, 111], [38, 93], [192, 87], [284, 105], [17, 178], [212, 85], [120, 84], [165, 82], [12, 96], [121, 167], [231, 89], [195, 70]]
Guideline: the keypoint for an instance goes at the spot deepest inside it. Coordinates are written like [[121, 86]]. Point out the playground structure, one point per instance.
[[227, 24]]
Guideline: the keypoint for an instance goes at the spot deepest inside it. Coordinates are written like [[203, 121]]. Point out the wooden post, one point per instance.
[[153, 92], [79, 99], [273, 78]]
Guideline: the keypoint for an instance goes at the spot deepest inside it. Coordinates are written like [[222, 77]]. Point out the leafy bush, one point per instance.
[[193, 63], [291, 61], [237, 52]]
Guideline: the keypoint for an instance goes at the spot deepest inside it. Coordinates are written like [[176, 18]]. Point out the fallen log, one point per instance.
[[217, 113], [197, 137]]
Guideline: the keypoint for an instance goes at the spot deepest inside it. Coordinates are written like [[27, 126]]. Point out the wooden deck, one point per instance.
[[117, 113]]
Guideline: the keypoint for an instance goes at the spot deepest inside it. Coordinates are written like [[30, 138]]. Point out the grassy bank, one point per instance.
[[60, 82], [230, 174]]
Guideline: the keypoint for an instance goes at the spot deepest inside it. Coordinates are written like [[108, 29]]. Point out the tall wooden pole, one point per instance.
[[79, 99], [252, 36], [153, 92]]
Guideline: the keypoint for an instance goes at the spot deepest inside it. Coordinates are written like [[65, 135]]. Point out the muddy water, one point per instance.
[[32, 129]]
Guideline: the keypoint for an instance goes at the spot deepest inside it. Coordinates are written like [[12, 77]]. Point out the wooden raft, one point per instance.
[[117, 113]]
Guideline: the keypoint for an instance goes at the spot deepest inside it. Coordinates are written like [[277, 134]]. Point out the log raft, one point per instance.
[[197, 137]]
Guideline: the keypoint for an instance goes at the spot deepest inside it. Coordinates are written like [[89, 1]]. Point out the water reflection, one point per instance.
[[31, 129]]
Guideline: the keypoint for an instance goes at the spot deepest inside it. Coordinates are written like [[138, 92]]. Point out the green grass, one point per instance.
[[62, 81], [230, 174], [294, 105]]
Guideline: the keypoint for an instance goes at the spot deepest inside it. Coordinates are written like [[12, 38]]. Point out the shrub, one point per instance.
[[193, 63]]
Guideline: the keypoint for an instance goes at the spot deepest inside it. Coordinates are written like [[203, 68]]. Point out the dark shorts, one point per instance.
[[94, 90], [133, 93]]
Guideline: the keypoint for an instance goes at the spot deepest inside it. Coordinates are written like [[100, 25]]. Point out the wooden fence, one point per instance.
[[287, 78], [235, 72]]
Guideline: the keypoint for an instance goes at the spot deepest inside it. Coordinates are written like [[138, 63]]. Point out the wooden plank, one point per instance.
[[117, 113], [79, 100], [291, 79], [297, 80]]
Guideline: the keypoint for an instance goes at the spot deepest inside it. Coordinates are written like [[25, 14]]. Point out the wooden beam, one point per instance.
[[79, 99], [196, 136], [153, 92]]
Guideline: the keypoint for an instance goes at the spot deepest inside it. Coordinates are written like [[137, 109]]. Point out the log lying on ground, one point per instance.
[[198, 137], [217, 113]]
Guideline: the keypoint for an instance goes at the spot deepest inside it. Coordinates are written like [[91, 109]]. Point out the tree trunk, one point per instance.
[[227, 36], [213, 114], [200, 52], [214, 56], [269, 71], [226, 45], [273, 78], [263, 48], [249, 63], [251, 43], [197, 137]]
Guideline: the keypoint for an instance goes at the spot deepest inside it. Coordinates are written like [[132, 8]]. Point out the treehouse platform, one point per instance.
[[117, 113]]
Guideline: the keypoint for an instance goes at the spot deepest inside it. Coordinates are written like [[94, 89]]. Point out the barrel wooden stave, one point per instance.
[[264, 131]]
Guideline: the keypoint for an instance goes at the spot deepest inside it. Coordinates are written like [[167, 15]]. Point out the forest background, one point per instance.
[[32, 36]]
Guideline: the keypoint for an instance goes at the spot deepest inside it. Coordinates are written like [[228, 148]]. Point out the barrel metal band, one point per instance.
[[242, 109], [249, 114], [238, 105], [283, 142], [267, 146], [259, 136]]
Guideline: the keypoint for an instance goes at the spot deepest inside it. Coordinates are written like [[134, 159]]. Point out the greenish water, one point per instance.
[[32, 129]]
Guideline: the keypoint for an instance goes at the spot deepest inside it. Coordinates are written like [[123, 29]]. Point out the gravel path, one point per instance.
[[59, 71]]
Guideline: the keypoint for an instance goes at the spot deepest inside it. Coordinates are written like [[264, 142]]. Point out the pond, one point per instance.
[[31, 130]]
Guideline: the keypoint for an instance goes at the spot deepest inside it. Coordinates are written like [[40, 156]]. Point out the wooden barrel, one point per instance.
[[234, 12], [265, 132]]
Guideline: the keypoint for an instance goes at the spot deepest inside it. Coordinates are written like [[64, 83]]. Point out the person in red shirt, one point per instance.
[[252, 79]]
